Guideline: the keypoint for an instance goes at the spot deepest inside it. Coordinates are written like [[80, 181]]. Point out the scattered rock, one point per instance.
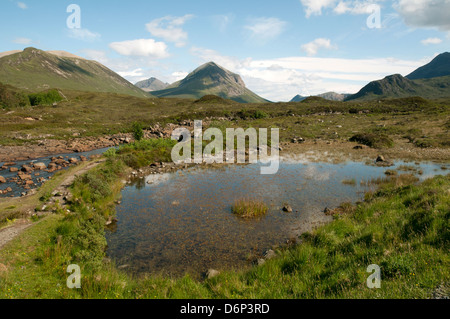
[[25, 177], [358, 147], [26, 169], [123, 266], [287, 208], [2, 179], [13, 169], [298, 140], [73, 160], [211, 273], [9, 164], [269, 254], [380, 158], [39, 166]]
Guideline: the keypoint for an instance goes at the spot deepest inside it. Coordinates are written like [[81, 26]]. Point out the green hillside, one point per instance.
[[211, 79], [397, 86], [37, 70]]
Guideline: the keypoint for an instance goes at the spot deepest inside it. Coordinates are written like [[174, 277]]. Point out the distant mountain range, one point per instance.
[[332, 96], [429, 81], [211, 79], [152, 84], [36, 70]]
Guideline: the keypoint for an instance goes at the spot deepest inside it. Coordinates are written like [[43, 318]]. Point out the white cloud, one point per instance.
[[265, 29], [134, 73], [83, 34], [314, 7], [22, 5], [425, 13], [431, 41], [141, 47], [281, 79], [96, 55], [355, 7], [169, 28], [313, 47], [179, 75], [25, 41], [222, 21]]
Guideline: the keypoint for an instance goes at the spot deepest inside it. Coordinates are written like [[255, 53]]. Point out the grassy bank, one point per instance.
[[403, 228]]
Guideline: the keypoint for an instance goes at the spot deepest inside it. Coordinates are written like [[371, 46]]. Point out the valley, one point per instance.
[[363, 178]]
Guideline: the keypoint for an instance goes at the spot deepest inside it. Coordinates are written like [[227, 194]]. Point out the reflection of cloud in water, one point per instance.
[[312, 172], [157, 179]]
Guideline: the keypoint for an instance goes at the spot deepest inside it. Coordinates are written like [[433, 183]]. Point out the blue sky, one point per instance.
[[280, 48]]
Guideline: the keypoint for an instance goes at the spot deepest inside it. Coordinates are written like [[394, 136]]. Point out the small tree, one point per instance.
[[138, 133]]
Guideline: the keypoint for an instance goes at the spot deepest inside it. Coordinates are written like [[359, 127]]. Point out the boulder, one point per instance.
[[13, 169], [380, 158], [2, 179], [9, 164], [287, 208], [73, 160], [39, 166], [25, 177], [211, 273], [269, 254], [26, 169]]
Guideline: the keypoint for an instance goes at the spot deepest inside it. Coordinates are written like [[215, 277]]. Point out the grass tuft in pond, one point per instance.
[[249, 208]]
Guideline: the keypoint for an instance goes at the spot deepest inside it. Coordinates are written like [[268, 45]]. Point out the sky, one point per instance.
[[280, 48]]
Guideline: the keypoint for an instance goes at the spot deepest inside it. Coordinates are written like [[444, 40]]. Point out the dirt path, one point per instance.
[[9, 233]]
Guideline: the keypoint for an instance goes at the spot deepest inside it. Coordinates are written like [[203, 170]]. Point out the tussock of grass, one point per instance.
[[349, 182], [375, 140], [249, 208]]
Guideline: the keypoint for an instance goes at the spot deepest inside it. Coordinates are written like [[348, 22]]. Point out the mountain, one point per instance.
[[211, 79], [34, 70], [440, 66], [152, 84], [298, 98], [397, 86], [430, 81], [331, 96]]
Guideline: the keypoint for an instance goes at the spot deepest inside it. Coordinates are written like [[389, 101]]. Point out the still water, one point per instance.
[[181, 222]]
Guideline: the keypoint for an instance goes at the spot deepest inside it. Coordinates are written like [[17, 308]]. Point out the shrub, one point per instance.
[[110, 153], [138, 133], [45, 98]]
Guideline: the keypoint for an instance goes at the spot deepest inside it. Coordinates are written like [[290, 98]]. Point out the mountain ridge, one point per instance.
[[211, 79], [33, 70], [439, 66], [151, 84]]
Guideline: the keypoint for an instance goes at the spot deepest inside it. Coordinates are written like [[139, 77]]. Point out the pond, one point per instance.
[[181, 222]]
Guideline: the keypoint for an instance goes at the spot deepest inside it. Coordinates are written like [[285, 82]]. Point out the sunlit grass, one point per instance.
[[249, 208]]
